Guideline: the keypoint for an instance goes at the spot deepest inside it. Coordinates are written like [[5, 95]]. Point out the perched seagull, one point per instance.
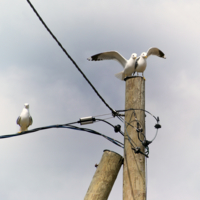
[[141, 63], [24, 120], [128, 65]]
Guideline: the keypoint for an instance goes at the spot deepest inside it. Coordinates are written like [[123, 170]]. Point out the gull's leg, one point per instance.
[[143, 76]]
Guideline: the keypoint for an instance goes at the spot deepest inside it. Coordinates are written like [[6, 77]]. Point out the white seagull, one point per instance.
[[141, 63], [24, 120], [128, 65]]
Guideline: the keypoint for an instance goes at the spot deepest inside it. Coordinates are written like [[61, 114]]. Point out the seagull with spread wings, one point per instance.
[[128, 65], [141, 63], [24, 120]]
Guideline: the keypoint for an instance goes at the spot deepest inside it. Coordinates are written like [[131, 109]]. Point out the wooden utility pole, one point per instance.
[[105, 176], [134, 180]]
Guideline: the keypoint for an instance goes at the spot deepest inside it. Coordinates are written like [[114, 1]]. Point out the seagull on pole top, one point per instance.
[[128, 65], [24, 120], [141, 63]]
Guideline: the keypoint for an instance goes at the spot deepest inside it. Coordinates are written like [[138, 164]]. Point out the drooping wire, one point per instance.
[[120, 118], [136, 149], [103, 115], [60, 45], [69, 126], [137, 109], [155, 136], [144, 135], [129, 138], [103, 120]]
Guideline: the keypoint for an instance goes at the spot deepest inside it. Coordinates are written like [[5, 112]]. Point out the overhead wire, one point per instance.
[[69, 126], [155, 136], [66, 53], [103, 120], [103, 115], [127, 165], [136, 109]]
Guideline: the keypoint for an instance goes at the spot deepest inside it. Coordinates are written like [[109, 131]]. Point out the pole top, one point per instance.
[[112, 152], [129, 77]]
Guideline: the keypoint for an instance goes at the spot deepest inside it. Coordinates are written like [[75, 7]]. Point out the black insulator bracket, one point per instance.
[[146, 143], [158, 123], [157, 126], [117, 128]]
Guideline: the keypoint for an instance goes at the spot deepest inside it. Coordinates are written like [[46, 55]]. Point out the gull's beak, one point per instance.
[[145, 56]]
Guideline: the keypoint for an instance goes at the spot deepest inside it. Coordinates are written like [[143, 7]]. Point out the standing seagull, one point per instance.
[[24, 120], [141, 63], [128, 65]]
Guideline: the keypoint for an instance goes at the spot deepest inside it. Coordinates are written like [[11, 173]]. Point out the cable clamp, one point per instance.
[[137, 150], [114, 113], [86, 120]]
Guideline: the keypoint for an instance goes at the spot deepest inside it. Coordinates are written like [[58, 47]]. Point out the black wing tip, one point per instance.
[[161, 54], [94, 58]]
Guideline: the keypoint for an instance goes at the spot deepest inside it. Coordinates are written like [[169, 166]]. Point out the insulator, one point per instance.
[[87, 120]]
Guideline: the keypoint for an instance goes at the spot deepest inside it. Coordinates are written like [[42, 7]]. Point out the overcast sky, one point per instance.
[[59, 163]]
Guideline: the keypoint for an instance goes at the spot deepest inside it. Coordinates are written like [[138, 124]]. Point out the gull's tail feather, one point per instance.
[[120, 75]]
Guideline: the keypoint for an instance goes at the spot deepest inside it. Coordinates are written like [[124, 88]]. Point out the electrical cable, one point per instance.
[[137, 129], [145, 142], [98, 120], [137, 109], [134, 148], [60, 45], [97, 133], [109, 118], [103, 115], [102, 120], [155, 136], [120, 118], [129, 139], [69, 126]]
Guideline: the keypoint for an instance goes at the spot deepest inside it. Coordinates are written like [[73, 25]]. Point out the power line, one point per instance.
[[117, 128], [60, 45], [140, 130], [69, 126], [137, 109]]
